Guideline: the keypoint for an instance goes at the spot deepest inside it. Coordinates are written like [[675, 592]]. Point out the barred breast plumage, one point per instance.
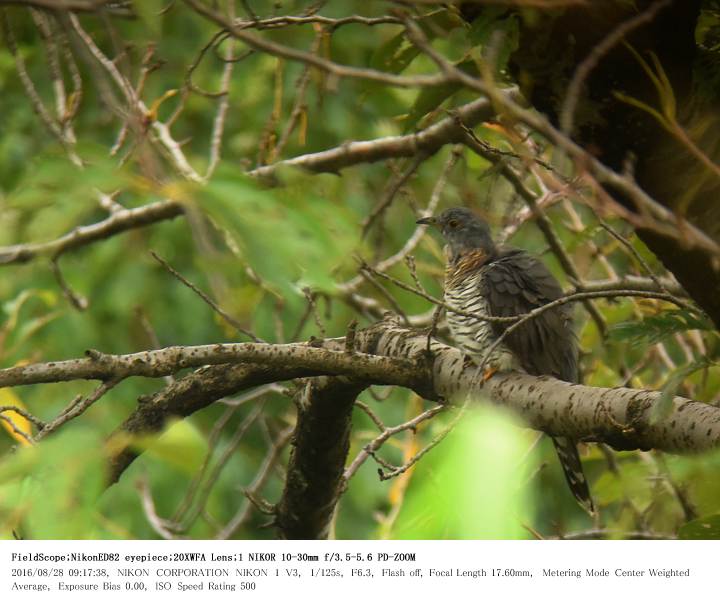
[[463, 281]]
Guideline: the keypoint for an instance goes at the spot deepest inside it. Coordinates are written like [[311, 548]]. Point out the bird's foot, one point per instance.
[[488, 373]]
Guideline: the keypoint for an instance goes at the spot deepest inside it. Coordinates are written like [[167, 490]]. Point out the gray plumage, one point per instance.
[[484, 279]]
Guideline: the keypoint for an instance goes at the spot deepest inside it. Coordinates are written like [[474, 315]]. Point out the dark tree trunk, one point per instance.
[[549, 52]]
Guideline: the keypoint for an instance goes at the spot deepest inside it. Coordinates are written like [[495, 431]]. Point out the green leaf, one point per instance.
[[653, 329], [430, 99], [150, 13], [398, 52], [460, 494], [663, 407], [701, 528], [630, 483], [53, 487], [291, 236], [181, 445]]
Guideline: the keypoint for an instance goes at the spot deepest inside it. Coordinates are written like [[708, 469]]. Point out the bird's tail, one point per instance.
[[572, 468]]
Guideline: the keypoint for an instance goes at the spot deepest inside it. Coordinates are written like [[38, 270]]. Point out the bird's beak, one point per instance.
[[431, 220]]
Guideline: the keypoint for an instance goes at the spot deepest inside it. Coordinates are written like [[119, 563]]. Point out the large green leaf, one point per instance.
[[470, 486], [290, 236], [663, 407], [53, 488], [398, 52], [181, 445]]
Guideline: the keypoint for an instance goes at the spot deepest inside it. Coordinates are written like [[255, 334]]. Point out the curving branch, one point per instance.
[[426, 142], [118, 222], [384, 353], [622, 417]]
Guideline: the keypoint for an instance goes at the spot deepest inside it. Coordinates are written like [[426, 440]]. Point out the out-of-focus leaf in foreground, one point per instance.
[[471, 486], [50, 491], [181, 445], [291, 237]]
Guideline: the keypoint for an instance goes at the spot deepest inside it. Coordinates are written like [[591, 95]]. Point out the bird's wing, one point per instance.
[[514, 284]]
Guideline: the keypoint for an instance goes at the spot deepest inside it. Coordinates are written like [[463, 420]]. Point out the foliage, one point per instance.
[[276, 255]]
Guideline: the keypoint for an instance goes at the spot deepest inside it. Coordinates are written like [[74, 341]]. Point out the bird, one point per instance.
[[482, 278]]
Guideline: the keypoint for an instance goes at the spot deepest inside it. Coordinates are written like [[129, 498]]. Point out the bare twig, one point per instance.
[[77, 407], [373, 446], [391, 192], [330, 23], [262, 476], [205, 298]]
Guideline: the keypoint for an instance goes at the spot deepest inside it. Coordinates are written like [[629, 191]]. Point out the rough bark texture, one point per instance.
[[387, 353], [622, 417], [321, 443]]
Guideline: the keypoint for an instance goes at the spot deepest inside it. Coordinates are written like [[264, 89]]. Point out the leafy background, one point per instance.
[[487, 480]]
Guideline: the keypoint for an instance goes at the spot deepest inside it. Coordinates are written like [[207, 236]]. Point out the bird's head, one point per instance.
[[464, 232]]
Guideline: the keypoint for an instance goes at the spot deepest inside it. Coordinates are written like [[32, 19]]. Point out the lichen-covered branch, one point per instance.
[[393, 355]]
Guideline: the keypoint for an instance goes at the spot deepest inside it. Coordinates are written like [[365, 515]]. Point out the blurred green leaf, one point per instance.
[[663, 407], [470, 486], [53, 487], [150, 13], [701, 528], [498, 32], [398, 52], [290, 236], [181, 445], [430, 99]]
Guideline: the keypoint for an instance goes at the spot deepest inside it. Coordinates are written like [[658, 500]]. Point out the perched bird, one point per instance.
[[482, 278]]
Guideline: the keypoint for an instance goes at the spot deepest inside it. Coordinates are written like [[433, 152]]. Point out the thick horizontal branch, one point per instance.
[[625, 418], [622, 417], [307, 359], [427, 142]]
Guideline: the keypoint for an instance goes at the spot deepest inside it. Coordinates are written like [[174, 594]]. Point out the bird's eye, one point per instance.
[[453, 224]]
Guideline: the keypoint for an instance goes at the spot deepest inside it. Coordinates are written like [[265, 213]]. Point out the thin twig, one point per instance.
[[205, 298]]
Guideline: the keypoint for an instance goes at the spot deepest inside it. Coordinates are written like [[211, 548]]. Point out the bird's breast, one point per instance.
[[471, 334]]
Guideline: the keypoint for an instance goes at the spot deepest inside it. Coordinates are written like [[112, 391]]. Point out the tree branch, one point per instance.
[[118, 222], [121, 9], [618, 416], [315, 471], [425, 142]]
